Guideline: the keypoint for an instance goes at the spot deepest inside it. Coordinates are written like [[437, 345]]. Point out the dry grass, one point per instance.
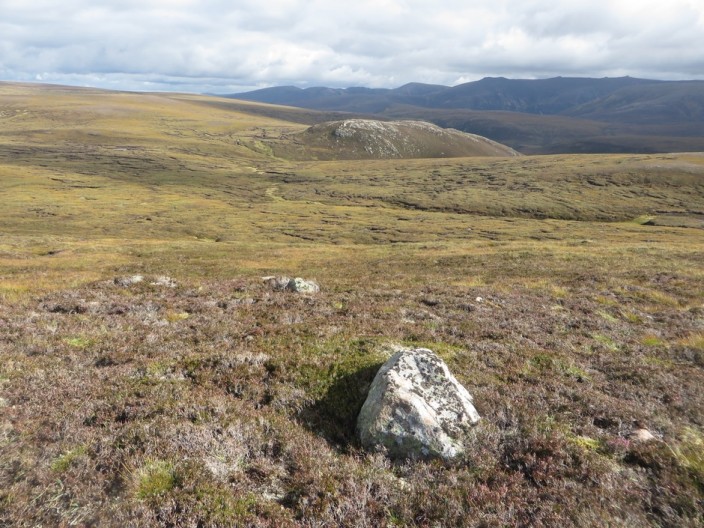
[[221, 402]]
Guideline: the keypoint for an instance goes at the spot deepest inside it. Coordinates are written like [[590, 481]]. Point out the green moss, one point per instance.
[[652, 341], [221, 507], [79, 341], [158, 368], [632, 317], [607, 316], [66, 460], [338, 383], [586, 443], [174, 317], [155, 478], [576, 372], [446, 351], [327, 362], [662, 362], [607, 342], [643, 219], [542, 362]]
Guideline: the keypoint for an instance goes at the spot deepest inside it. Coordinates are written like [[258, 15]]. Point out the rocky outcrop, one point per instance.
[[300, 285], [297, 285], [373, 139], [416, 408]]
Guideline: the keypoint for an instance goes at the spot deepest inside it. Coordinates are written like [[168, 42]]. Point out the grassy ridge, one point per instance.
[[221, 402]]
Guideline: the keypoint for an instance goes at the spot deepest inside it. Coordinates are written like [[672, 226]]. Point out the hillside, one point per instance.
[[661, 104], [587, 115], [563, 291], [371, 139]]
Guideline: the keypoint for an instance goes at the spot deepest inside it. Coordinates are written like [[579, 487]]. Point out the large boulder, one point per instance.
[[416, 408]]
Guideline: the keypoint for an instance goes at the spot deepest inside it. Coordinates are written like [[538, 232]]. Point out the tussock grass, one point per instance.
[[155, 478]]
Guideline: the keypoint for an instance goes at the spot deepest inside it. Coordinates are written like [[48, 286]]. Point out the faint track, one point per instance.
[[271, 193]]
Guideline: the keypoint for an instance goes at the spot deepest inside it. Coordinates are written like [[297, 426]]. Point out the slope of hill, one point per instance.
[[554, 134], [565, 292], [596, 115], [662, 104], [540, 96], [373, 139]]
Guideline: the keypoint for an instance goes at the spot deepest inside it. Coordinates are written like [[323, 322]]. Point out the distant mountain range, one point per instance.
[[562, 114]]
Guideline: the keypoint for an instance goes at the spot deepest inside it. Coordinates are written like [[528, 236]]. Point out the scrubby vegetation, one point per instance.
[[548, 285]]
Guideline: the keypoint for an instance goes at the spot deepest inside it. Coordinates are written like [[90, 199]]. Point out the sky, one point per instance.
[[219, 46]]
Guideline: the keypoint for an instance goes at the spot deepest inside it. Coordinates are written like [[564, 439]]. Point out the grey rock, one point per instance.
[[300, 285], [642, 435], [7, 433], [164, 281], [416, 408], [276, 283], [128, 281]]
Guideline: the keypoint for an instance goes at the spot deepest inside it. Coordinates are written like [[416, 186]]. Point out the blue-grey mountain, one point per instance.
[[562, 114]]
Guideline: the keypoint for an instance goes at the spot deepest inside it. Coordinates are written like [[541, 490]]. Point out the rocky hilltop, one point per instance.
[[372, 139]]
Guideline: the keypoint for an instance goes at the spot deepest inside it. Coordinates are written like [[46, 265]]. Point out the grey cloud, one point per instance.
[[216, 45]]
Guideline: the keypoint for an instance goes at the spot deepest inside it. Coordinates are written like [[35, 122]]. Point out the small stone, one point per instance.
[[300, 285], [276, 283], [129, 280], [479, 299], [164, 281], [416, 408], [642, 435], [7, 432]]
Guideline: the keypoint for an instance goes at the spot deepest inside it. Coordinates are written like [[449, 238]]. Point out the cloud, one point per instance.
[[218, 45]]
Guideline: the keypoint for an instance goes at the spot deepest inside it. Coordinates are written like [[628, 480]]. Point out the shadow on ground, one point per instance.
[[334, 416]]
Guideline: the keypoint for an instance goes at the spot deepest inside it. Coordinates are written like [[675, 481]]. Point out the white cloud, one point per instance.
[[220, 45]]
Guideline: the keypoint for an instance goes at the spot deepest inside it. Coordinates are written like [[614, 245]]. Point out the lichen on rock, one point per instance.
[[416, 408], [300, 285], [297, 284]]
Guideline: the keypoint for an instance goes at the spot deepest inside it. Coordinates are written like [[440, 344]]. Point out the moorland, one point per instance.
[[564, 291]]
